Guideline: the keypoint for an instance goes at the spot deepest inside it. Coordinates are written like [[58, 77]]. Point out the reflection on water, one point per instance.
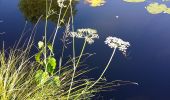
[[95, 3], [1, 20], [134, 1], [33, 9]]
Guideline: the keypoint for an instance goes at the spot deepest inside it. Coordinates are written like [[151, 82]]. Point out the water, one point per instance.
[[148, 57]]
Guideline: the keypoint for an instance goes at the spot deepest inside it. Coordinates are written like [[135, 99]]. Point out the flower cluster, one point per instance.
[[61, 3], [114, 42], [88, 34]]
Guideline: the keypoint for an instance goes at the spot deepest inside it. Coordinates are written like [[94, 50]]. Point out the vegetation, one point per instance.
[[23, 78], [153, 7]]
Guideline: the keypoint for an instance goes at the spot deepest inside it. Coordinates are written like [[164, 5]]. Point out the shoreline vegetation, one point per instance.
[[43, 77]]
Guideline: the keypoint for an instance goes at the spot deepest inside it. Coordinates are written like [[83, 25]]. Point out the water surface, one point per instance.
[[148, 57]]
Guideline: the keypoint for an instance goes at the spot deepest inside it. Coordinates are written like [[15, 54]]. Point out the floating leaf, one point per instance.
[[40, 44], [155, 8], [134, 1], [51, 64], [167, 11], [96, 3]]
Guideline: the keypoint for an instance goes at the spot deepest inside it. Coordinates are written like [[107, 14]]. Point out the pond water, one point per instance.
[[148, 60]]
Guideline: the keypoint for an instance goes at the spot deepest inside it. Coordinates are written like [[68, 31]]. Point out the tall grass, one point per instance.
[[24, 78], [17, 79]]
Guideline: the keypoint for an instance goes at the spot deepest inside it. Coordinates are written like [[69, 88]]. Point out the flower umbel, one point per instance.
[[114, 42], [61, 3], [88, 34]]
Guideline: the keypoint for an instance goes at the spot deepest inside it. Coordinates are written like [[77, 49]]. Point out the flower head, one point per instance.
[[88, 34], [114, 42], [40, 44], [61, 3]]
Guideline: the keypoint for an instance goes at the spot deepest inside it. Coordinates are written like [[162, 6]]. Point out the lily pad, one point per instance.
[[96, 3], [155, 8], [167, 11]]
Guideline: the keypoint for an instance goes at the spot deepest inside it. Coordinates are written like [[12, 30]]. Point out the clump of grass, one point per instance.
[[18, 81], [16, 74]]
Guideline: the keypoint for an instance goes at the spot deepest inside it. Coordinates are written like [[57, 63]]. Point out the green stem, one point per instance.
[[58, 26], [74, 71], [45, 36], [100, 75], [84, 45], [103, 70], [74, 66]]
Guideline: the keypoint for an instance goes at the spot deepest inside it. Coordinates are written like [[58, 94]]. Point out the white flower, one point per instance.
[[88, 34], [61, 3], [114, 42], [40, 44]]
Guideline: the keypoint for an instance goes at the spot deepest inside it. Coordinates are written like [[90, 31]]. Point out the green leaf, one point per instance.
[[40, 44], [38, 57], [57, 81], [38, 76], [51, 64], [50, 47], [156, 8], [41, 77], [45, 77]]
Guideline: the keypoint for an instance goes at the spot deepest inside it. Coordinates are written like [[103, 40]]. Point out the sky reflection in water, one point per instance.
[[148, 57]]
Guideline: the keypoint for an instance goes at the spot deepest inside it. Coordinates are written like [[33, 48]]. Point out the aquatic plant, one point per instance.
[[96, 3], [153, 7]]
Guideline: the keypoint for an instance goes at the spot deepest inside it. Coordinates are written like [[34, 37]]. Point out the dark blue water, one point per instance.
[[148, 60]]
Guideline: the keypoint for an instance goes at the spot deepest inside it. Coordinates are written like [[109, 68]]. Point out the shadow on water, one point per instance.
[[33, 9]]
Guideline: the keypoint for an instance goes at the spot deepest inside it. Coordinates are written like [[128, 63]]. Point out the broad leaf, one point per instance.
[[45, 77], [51, 64], [156, 8], [38, 76], [38, 57], [41, 77], [56, 80]]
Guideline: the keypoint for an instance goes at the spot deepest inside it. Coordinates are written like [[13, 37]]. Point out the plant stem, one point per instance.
[[74, 66], [84, 45], [74, 71], [103, 70], [45, 36], [58, 26]]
